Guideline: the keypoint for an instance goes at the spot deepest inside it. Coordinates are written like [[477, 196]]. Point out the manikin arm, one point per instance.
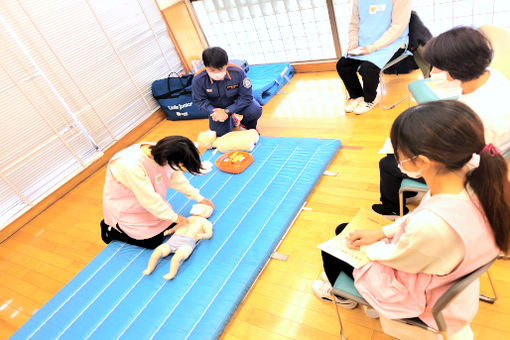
[[207, 228]]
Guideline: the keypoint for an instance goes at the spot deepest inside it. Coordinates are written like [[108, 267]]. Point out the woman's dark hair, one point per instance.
[[215, 57], [449, 132], [179, 152], [462, 51]]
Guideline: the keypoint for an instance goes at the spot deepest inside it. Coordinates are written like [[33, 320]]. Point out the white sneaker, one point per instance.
[[351, 104], [322, 290], [371, 312], [364, 107]]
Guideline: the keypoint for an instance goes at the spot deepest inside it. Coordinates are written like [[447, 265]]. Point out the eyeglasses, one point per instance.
[[406, 160]]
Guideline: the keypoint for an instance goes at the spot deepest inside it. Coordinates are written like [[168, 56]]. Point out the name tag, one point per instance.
[[158, 178], [376, 8], [231, 87]]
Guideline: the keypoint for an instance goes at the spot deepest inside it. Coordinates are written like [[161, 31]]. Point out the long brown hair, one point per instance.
[[449, 132]]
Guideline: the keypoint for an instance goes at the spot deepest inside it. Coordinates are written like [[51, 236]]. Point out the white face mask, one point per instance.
[[410, 174], [440, 79], [217, 76]]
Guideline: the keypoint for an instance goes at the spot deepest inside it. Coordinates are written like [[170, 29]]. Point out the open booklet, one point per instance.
[[337, 246]]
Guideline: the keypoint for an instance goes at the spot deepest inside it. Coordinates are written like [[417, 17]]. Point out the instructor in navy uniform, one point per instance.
[[222, 90]]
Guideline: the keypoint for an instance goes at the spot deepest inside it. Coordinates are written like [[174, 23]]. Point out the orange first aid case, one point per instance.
[[234, 162]]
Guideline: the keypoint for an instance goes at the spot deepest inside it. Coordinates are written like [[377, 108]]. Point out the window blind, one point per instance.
[[75, 75], [267, 31]]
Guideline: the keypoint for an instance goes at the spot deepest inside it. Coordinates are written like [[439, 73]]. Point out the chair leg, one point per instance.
[[394, 104], [339, 318], [381, 81], [488, 299], [401, 202]]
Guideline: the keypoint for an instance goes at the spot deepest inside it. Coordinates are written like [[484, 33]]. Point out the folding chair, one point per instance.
[[344, 287], [415, 186], [409, 185], [404, 55]]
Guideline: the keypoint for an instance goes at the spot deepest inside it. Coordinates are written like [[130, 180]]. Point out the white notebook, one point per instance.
[[337, 246]]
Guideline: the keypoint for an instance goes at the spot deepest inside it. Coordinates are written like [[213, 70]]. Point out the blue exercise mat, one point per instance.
[[111, 298], [268, 79]]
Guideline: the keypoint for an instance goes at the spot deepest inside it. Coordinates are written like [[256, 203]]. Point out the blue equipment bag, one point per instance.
[[174, 96]]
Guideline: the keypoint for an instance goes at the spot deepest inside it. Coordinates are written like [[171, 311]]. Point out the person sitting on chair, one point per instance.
[[459, 56], [460, 225], [181, 244], [376, 34], [222, 90], [137, 179]]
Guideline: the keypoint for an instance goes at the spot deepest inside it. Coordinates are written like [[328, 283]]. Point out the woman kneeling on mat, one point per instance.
[[137, 179], [461, 224]]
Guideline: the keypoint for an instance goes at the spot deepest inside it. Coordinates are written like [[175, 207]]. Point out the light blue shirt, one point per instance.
[[376, 18]]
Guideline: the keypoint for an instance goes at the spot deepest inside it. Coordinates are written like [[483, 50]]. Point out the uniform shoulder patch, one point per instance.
[[247, 82]]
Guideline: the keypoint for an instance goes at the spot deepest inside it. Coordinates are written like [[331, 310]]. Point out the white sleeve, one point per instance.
[[179, 183], [428, 245], [391, 229], [135, 178]]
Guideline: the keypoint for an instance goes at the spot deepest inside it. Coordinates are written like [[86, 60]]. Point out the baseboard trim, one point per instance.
[[315, 66], [125, 141]]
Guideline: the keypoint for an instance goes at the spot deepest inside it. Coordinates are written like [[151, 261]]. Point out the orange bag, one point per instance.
[[234, 162]]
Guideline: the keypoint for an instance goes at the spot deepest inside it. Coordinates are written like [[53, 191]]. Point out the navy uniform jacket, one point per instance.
[[232, 93]]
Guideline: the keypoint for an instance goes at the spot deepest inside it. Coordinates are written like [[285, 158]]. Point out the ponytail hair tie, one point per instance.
[[491, 150], [474, 162]]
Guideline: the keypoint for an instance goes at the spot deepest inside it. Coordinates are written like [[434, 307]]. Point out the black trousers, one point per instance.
[[347, 69], [118, 234], [390, 180], [334, 266]]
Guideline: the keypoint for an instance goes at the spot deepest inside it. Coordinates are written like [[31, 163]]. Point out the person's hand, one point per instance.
[[358, 51], [169, 231], [360, 238], [181, 221], [207, 202], [219, 115], [351, 47]]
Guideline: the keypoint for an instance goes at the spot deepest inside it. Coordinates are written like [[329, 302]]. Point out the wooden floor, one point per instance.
[[38, 260]]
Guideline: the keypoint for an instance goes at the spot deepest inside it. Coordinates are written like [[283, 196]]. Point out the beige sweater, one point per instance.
[[400, 16]]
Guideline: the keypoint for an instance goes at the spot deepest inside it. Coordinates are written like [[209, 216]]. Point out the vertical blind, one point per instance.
[[75, 76]]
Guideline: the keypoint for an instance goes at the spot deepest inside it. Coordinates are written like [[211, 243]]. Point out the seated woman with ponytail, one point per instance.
[[462, 223]]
